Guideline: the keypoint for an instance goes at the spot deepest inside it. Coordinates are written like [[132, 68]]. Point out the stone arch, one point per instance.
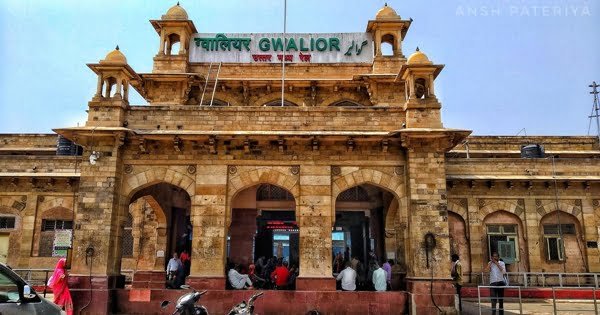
[[391, 39], [277, 96], [367, 176], [347, 96], [14, 235], [176, 176], [226, 97], [548, 206], [260, 175], [457, 208], [170, 40], [489, 206]]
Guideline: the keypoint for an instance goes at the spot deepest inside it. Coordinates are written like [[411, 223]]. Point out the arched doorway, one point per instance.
[[459, 243], [158, 224], [562, 249], [263, 224], [505, 235], [361, 227]]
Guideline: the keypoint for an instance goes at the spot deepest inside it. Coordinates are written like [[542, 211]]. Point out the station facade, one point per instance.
[[354, 158]]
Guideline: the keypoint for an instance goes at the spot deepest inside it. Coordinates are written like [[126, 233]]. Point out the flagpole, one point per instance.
[[283, 59]]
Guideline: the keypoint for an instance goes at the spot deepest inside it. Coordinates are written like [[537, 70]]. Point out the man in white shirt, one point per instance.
[[379, 278], [238, 280], [348, 277], [497, 270], [174, 264], [172, 268]]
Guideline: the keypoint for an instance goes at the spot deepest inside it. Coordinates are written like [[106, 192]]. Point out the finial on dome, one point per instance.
[[177, 2], [418, 48], [117, 48], [385, 4]]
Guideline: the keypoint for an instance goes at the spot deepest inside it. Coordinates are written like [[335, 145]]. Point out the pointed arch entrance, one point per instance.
[[362, 215], [263, 224], [160, 225]]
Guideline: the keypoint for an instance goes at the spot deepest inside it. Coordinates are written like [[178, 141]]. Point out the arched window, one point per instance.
[[172, 44], [347, 103], [388, 47], [356, 193], [278, 103], [110, 82], [215, 102], [267, 192], [127, 240]]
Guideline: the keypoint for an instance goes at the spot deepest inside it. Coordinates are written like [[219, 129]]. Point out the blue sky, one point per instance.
[[510, 64]]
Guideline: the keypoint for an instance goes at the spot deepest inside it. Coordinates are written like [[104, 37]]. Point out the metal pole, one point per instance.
[[595, 109], [554, 300], [479, 298], [283, 59]]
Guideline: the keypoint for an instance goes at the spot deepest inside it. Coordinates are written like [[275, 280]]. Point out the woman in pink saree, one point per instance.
[[58, 283]]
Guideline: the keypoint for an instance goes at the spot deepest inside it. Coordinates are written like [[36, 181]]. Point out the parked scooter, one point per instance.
[[186, 304], [245, 308]]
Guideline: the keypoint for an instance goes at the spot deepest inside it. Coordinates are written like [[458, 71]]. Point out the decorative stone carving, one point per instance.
[[128, 169], [336, 170], [232, 169], [295, 170], [399, 170], [191, 169]]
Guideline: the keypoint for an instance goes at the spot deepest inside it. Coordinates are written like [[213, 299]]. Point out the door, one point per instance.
[[4, 247]]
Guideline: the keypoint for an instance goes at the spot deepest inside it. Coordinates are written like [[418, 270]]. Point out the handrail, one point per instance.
[[556, 310], [544, 279]]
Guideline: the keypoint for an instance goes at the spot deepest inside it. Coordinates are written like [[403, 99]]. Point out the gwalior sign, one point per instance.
[[271, 48]]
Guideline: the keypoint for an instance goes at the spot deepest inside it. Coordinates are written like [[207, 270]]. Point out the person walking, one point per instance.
[[497, 270], [348, 277], [60, 288], [456, 273]]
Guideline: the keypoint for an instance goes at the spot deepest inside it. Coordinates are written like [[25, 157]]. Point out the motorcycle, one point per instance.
[[245, 308], [186, 304]]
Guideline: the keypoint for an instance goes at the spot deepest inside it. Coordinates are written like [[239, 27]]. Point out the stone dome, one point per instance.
[[115, 56], [176, 12], [418, 58], [386, 13]]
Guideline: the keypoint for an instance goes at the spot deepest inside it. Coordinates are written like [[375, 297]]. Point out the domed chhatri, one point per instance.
[[176, 12], [386, 13], [418, 58], [115, 57]]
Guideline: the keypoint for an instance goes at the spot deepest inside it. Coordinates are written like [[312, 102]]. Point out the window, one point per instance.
[[55, 238], [7, 223], [51, 225], [503, 239], [9, 290], [267, 192], [355, 193], [555, 248], [553, 236], [127, 245]]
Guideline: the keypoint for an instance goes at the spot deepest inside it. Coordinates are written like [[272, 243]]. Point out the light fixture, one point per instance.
[[94, 157]]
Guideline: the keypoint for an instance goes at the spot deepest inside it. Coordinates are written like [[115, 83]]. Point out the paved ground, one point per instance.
[[538, 307]]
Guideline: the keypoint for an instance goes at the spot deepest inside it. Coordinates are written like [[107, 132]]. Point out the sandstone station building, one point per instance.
[[355, 155]]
